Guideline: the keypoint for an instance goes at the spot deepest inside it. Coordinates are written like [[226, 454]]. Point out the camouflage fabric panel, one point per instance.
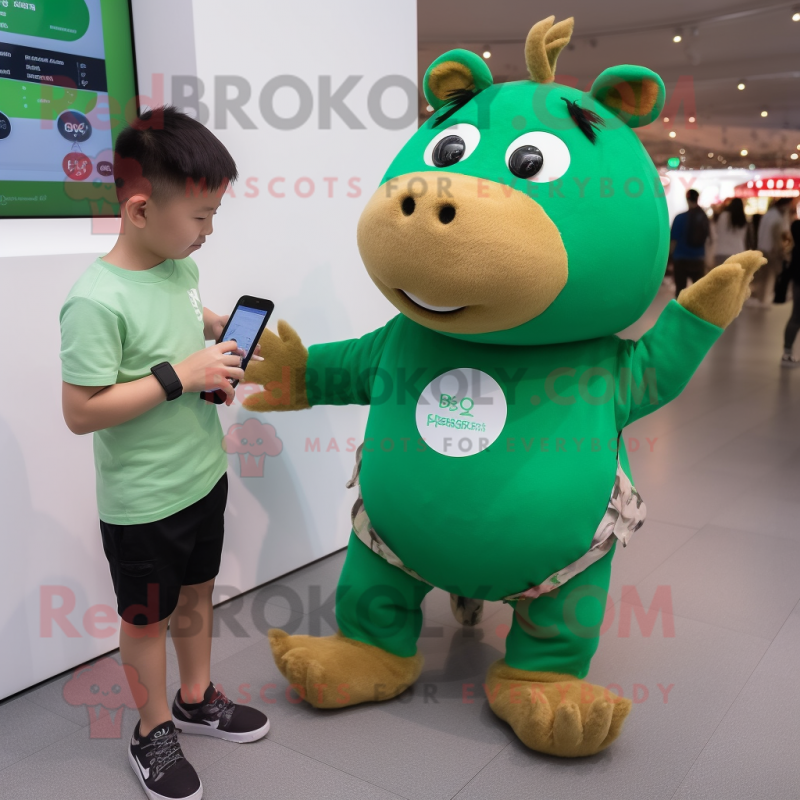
[[624, 515]]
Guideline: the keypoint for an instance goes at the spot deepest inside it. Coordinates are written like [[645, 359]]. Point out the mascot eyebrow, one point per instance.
[[456, 99], [587, 121]]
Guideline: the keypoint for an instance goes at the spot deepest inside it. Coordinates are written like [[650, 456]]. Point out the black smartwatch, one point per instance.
[[169, 380]]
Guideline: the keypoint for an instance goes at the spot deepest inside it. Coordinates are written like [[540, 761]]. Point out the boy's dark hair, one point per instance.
[[692, 195], [163, 150]]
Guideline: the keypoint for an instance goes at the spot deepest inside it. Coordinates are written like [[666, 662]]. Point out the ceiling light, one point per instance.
[[681, 151], [752, 166], [676, 38], [487, 53], [740, 87], [764, 113], [691, 119], [711, 155], [666, 119], [429, 108], [793, 156], [743, 153], [796, 16], [672, 134]]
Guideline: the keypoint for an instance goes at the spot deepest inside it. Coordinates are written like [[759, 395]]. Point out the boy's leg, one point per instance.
[[191, 625], [143, 648]]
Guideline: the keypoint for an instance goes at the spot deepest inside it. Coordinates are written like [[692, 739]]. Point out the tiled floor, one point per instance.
[[717, 711]]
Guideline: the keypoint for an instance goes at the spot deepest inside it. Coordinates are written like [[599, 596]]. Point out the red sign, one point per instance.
[[775, 186], [77, 166]]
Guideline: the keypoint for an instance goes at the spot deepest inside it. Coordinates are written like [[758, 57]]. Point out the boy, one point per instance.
[[134, 360]]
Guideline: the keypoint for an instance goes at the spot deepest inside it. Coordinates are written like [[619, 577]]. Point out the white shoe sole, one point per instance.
[[153, 795], [207, 730]]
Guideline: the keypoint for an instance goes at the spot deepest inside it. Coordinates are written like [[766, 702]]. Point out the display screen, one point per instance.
[[67, 87], [244, 326]]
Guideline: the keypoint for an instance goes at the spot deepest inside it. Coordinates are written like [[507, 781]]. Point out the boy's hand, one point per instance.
[[213, 324], [210, 369]]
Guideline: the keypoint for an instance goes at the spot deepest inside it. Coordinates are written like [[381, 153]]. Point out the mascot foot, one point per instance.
[[334, 671], [555, 713]]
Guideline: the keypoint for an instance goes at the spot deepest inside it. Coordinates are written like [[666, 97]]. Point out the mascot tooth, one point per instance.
[[516, 232]]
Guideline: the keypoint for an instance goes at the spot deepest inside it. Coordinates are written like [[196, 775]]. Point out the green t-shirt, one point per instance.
[[115, 325]]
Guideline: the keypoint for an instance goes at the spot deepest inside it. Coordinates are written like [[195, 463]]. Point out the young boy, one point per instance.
[[134, 360]]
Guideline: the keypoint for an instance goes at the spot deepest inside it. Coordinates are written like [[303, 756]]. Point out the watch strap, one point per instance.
[[169, 380]]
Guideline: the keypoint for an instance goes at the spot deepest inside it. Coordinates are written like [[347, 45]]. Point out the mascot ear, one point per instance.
[[453, 73], [635, 94]]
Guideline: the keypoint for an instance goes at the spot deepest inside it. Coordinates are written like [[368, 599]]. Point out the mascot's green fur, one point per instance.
[[516, 231]]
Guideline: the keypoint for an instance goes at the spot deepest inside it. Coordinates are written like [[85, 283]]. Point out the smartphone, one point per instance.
[[245, 325]]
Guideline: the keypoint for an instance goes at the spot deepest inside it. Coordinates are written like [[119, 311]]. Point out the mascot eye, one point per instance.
[[452, 145], [538, 156], [526, 161], [449, 150]]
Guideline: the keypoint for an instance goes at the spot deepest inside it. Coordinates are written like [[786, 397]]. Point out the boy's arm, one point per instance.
[[334, 373], [656, 368], [91, 354], [92, 408]]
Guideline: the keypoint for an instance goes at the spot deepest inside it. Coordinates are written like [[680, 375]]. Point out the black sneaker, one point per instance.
[[161, 766], [217, 716]]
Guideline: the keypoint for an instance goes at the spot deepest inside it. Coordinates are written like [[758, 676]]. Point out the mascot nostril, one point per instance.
[[493, 464], [408, 205], [446, 214]]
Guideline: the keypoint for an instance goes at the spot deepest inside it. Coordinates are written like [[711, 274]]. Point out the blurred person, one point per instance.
[[687, 246], [793, 325], [730, 231], [773, 237]]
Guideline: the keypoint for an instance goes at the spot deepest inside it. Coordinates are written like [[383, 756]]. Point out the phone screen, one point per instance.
[[243, 326]]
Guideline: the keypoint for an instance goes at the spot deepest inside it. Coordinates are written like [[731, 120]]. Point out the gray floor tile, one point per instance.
[[51, 695], [734, 579], [265, 769], [26, 728], [705, 667], [445, 734], [648, 548], [753, 752]]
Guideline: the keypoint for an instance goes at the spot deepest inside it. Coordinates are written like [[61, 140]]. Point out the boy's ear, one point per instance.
[[455, 70], [635, 94]]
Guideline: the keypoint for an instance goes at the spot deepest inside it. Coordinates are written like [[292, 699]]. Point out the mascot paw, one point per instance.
[[283, 369], [334, 671], [555, 713], [719, 296]]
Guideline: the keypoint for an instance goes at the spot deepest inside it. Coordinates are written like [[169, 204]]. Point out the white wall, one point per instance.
[[299, 252]]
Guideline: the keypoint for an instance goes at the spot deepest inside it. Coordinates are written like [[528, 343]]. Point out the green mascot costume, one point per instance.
[[516, 232]]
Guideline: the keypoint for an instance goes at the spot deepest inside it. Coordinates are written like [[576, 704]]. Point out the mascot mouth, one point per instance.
[[427, 306]]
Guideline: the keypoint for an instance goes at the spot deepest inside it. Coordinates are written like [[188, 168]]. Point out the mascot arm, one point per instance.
[[334, 373], [655, 369], [341, 373]]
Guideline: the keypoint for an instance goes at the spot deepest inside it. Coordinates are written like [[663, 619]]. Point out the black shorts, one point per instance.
[[150, 562]]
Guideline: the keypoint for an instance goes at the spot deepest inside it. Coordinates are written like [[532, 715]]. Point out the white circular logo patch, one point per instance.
[[461, 412]]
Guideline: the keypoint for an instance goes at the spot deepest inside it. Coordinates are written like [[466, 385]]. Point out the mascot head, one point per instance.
[[524, 212]]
